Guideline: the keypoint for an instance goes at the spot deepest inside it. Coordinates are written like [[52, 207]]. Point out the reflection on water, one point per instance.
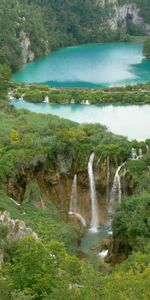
[[132, 121]]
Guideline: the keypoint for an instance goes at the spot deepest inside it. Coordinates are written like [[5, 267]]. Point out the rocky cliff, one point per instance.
[[25, 43], [121, 15], [11, 230]]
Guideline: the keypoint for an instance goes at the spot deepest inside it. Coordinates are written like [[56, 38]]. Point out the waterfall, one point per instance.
[[46, 99], [94, 217], [108, 176], [116, 188], [140, 153], [18, 204], [97, 164], [133, 154], [115, 193], [117, 184], [73, 202], [82, 220], [73, 199]]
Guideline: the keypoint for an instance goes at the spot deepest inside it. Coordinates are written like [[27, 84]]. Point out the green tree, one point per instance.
[[5, 75], [146, 49]]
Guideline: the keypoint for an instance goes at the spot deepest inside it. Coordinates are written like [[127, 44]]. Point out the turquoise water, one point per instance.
[[132, 121], [95, 65], [90, 244]]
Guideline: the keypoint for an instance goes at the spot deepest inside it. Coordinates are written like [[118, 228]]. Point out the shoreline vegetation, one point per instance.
[[36, 93]]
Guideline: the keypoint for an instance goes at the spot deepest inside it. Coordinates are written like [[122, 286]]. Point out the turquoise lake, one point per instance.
[[132, 121], [89, 66]]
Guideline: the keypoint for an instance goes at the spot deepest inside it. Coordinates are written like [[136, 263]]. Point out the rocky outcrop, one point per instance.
[[14, 229], [27, 54], [122, 14]]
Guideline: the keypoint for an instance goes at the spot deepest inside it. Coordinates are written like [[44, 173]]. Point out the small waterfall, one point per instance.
[[94, 217], [108, 176], [73, 202], [133, 154], [140, 153], [117, 184], [73, 199], [46, 99], [97, 164], [82, 220], [115, 193], [116, 189]]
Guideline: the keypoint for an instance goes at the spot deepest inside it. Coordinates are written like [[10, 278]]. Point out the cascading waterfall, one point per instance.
[[140, 153], [73, 198], [97, 164], [115, 193], [133, 154], [107, 179], [73, 202], [82, 220], [117, 184], [94, 217]]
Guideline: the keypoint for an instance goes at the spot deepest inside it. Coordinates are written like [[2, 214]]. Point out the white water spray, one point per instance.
[[73, 202], [107, 179], [94, 217], [116, 188], [140, 153], [115, 193], [73, 199], [133, 154], [82, 220]]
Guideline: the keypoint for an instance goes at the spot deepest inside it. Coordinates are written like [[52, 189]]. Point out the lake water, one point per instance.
[[132, 121], [93, 65]]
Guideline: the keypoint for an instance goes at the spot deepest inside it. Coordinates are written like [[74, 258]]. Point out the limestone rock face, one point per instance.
[[27, 54], [122, 13], [16, 228], [129, 12]]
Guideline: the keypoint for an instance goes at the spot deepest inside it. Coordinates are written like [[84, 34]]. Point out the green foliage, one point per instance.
[[146, 50], [53, 24], [137, 94], [131, 223], [5, 74], [32, 193]]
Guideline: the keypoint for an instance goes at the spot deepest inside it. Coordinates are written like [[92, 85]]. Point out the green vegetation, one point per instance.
[[131, 225], [5, 75], [146, 50], [50, 25], [36, 149], [32, 147], [136, 94]]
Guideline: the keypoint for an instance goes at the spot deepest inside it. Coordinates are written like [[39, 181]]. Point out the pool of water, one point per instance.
[[93, 65], [90, 244], [132, 121]]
